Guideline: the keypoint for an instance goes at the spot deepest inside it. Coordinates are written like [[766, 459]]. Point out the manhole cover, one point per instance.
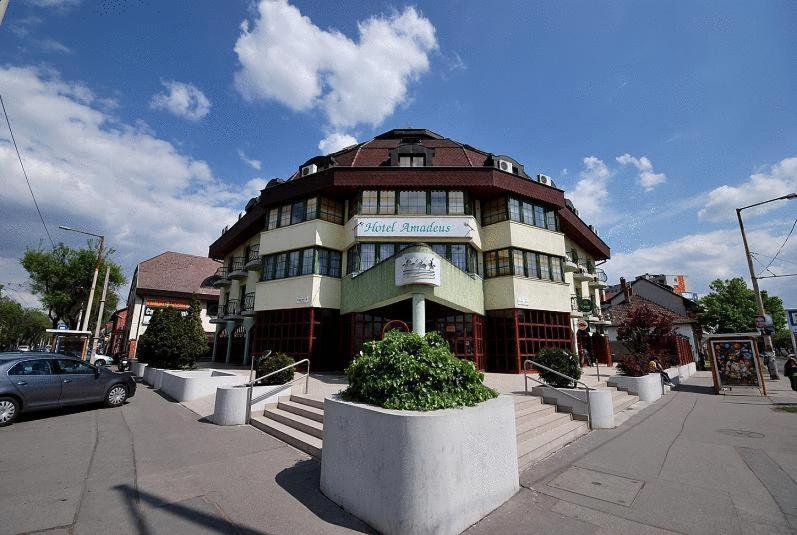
[[740, 433], [598, 485]]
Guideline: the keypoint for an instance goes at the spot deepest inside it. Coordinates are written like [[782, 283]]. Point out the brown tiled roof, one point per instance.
[[177, 273], [620, 312]]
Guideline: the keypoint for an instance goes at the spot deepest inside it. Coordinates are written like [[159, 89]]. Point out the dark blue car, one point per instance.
[[32, 381]]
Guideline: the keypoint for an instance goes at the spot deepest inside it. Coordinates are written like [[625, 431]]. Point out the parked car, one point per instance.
[[23, 348], [102, 360], [33, 381]]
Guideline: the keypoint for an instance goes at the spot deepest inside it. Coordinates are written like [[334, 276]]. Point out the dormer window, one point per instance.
[[412, 160]]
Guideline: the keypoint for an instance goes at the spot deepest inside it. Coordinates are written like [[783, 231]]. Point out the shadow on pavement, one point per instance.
[[695, 389], [302, 481], [62, 411]]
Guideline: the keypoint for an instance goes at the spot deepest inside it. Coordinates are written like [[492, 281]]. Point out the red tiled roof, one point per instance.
[[177, 273], [620, 312]]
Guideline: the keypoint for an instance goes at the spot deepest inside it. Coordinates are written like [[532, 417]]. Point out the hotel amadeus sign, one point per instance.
[[418, 268], [411, 227]]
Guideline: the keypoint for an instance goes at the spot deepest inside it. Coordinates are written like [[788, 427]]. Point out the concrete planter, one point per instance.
[[414, 472], [153, 377], [600, 403], [138, 368], [230, 407], [187, 385], [647, 387]]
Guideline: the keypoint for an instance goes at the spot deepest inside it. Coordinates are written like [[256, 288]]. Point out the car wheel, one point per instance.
[[99, 362], [9, 410], [116, 396]]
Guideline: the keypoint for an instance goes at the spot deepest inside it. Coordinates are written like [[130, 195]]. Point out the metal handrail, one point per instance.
[[576, 381], [251, 384]]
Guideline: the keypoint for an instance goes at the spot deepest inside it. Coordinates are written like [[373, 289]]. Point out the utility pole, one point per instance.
[[99, 314], [769, 352], [96, 272]]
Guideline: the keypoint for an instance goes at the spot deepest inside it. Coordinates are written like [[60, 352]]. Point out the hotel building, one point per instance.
[[414, 230]]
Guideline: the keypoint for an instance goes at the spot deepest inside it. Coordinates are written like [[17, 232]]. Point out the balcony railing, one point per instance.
[[601, 275], [232, 308], [219, 313], [221, 273], [237, 264], [254, 254], [248, 305], [587, 266], [572, 256]]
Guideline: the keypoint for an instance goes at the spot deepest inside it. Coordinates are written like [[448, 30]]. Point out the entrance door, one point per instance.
[[238, 345]]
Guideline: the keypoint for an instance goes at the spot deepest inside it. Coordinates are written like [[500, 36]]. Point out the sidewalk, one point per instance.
[[692, 462]]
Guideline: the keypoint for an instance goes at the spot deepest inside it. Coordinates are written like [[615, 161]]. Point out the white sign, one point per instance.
[[418, 268], [791, 314], [522, 301], [408, 227], [302, 299]]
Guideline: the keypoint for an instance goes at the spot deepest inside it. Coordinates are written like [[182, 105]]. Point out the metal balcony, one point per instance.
[[600, 279], [219, 317], [237, 269], [248, 306], [253, 260], [571, 262], [221, 278], [232, 310]]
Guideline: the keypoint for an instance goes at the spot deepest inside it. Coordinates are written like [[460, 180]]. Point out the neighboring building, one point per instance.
[[115, 328], [310, 268], [170, 279], [662, 298]]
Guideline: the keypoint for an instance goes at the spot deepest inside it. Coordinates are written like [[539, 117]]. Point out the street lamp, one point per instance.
[[773, 369], [96, 271]]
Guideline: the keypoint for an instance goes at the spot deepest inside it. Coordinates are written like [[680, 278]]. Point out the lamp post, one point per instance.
[[96, 272], [768, 349]]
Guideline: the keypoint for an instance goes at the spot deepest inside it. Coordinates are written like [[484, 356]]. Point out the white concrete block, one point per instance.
[[647, 387], [187, 385], [600, 403], [414, 472], [230, 406]]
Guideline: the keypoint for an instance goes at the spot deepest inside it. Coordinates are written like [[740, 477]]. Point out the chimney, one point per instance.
[[625, 289]]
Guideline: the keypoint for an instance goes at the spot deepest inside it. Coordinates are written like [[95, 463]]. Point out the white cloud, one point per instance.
[[255, 164], [647, 178], [90, 171], [591, 194], [183, 100], [54, 3], [286, 58], [776, 181], [336, 141], [711, 255]]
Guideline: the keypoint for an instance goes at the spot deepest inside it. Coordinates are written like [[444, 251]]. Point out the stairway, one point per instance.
[[541, 430], [620, 398], [297, 420]]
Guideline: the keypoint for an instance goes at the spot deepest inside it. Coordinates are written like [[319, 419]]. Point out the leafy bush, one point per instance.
[[173, 341], [272, 363], [561, 361], [648, 335], [407, 371]]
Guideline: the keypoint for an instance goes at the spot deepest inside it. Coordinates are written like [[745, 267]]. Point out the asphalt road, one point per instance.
[[152, 467]]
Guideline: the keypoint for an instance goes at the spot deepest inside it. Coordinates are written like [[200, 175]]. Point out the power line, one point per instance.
[[782, 245], [19, 157], [787, 260]]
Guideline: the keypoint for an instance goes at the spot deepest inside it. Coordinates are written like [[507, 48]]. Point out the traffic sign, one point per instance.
[[791, 315]]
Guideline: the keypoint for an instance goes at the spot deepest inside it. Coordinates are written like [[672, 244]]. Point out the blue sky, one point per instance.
[[138, 118]]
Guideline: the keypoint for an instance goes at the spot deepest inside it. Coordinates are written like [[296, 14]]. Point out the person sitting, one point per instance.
[[656, 367], [790, 371]]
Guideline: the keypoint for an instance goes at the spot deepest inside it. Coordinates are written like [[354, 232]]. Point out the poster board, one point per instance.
[[735, 361]]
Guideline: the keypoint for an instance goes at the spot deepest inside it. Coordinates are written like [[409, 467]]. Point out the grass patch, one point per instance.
[[787, 408]]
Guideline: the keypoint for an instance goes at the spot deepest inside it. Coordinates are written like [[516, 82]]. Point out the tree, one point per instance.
[[731, 307], [173, 340], [62, 276], [20, 325], [646, 334]]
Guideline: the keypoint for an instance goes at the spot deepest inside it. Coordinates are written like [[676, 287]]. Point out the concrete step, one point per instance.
[[532, 410], [313, 413], [623, 403], [304, 399], [298, 439], [541, 424], [541, 445], [524, 402], [306, 425]]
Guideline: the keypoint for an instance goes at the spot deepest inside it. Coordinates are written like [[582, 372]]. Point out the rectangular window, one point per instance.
[[334, 263], [545, 267], [438, 202], [514, 209], [518, 265], [311, 209], [494, 211], [412, 161], [556, 268], [279, 265], [367, 255], [297, 212], [273, 218], [504, 267], [527, 213], [331, 210], [531, 265], [323, 261], [387, 202], [268, 268], [439, 249], [459, 256], [369, 202], [352, 260], [550, 216], [456, 202], [285, 215], [294, 263], [539, 216], [412, 202], [386, 250], [490, 264], [473, 260], [308, 263]]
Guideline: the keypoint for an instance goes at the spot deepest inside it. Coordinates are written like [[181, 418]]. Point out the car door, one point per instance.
[[37, 383], [80, 382]]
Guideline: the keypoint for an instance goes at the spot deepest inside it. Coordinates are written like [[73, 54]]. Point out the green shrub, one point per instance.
[[272, 363], [173, 341], [407, 371], [561, 361]]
